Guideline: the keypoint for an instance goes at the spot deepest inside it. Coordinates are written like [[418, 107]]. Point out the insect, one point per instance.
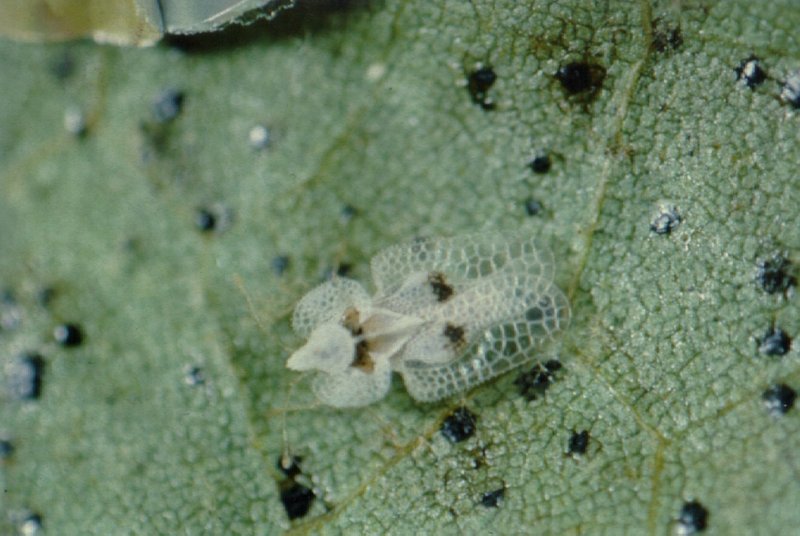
[[447, 314]]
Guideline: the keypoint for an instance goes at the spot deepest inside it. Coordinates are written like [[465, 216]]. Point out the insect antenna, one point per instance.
[[286, 457]]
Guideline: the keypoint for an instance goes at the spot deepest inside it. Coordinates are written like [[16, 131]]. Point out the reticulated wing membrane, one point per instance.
[[451, 326], [327, 303], [353, 387], [497, 349], [459, 258]]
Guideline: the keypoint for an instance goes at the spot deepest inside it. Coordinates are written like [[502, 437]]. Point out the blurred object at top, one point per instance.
[[126, 22]]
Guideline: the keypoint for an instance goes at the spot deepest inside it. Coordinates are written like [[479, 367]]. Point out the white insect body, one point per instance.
[[448, 314]]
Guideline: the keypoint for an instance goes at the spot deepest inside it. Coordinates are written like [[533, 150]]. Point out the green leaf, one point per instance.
[[169, 417]]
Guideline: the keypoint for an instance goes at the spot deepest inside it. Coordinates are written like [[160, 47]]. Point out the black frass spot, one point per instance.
[[492, 499], [580, 77], [533, 207], [540, 164], [347, 213], [168, 105], [63, 66], [578, 442], [6, 448], [205, 220], [750, 73], [776, 275], [212, 218], [459, 426], [68, 335], [537, 379], [280, 264], [296, 498], [774, 342], [790, 92], [667, 39], [10, 311], [479, 82], [665, 220], [194, 376], [25, 376], [341, 270], [779, 398], [693, 518]]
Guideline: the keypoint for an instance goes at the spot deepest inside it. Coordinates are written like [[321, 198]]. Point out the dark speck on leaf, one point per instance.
[[340, 270], [194, 376], [533, 207], [666, 220], [693, 518], [168, 105], [776, 275], [215, 217], [296, 498], [10, 311], [25, 377], [478, 84], [779, 399], [69, 335], [492, 499], [459, 426], [7, 297], [750, 73], [667, 39], [775, 342], [790, 92], [579, 442], [205, 220], [537, 380], [6, 448], [553, 365], [343, 269], [540, 164], [581, 77], [280, 264], [63, 67], [347, 213]]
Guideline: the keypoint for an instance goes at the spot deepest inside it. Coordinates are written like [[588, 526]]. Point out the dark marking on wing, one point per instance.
[[455, 334], [440, 287], [352, 321], [363, 358]]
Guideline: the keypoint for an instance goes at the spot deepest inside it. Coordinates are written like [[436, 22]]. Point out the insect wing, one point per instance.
[[487, 301], [353, 387], [327, 303], [493, 344], [459, 258], [420, 291]]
